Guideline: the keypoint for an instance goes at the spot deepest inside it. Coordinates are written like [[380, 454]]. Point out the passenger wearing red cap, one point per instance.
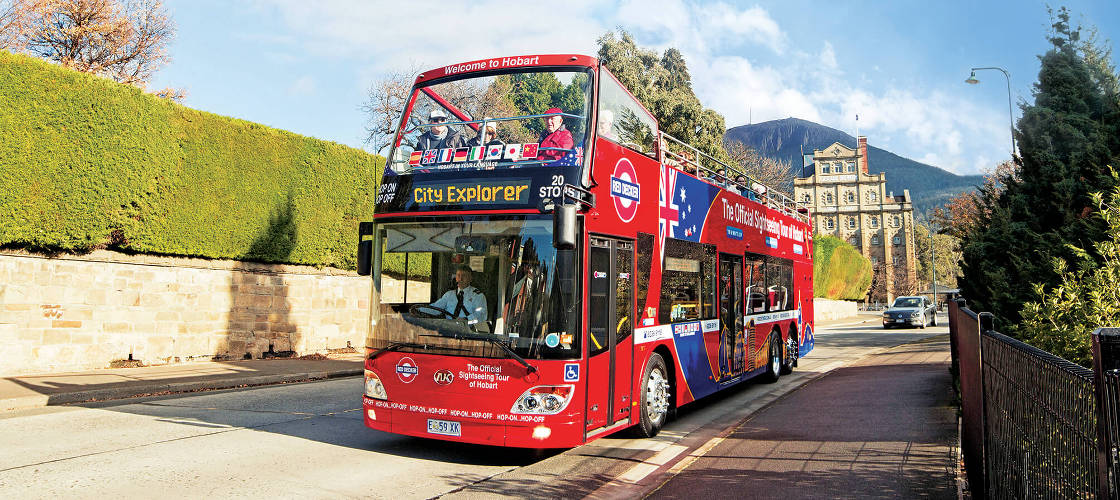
[[555, 136]]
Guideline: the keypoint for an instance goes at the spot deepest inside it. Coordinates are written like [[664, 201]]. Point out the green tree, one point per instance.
[[1061, 318], [946, 251], [664, 86], [1045, 206]]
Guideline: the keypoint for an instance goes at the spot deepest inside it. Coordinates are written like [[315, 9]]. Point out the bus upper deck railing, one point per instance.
[[707, 168]]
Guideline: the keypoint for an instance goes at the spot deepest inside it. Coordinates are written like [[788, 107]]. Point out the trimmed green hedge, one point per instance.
[[89, 163], [840, 272]]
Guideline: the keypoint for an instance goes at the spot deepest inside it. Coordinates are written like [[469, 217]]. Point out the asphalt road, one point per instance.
[[308, 441]]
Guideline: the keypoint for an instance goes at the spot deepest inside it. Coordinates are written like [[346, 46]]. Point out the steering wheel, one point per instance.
[[429, 311]]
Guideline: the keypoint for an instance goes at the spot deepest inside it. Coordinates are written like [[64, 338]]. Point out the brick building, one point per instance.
[[848, 202]]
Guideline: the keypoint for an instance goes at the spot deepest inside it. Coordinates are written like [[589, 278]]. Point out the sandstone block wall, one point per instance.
[[75, 313], [827, 309]]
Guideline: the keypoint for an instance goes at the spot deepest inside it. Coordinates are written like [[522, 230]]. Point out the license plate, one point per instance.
[[444, 427]]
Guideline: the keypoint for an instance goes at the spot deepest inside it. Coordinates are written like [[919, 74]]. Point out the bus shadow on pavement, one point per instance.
[[310, 413]]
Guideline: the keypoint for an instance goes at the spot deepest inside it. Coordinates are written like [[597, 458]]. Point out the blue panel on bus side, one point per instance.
[[695, 364]]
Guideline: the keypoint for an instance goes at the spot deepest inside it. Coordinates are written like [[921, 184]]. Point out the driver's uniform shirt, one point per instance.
[[474, 304]]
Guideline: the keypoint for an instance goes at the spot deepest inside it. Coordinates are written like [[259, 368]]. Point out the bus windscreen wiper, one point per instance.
[[397, 345], [456, 335]]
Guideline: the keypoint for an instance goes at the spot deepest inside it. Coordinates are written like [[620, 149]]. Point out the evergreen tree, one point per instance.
[[1066, 140], [664, 86]]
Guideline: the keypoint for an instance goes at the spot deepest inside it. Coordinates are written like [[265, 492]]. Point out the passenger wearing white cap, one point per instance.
[[439, 136], [491, 135]]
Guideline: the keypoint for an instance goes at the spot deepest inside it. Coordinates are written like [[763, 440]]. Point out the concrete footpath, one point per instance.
[[30, 391], [883, 427]]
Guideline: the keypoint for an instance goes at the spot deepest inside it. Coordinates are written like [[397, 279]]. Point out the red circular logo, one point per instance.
[[625, 190], [407, 369]]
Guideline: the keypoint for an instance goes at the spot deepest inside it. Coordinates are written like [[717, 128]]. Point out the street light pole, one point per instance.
[[973, 81]]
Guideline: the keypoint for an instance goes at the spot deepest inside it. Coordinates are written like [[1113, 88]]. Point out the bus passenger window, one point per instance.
[[756, 283], [687, 282]]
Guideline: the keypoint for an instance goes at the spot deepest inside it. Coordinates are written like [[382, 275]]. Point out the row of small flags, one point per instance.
[[514, 152]]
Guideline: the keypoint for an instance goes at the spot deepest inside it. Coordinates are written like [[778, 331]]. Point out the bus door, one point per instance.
[[731, 315], [610, 343]]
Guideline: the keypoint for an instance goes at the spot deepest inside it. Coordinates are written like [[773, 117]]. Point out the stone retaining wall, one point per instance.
[[76, 313], [828, 309]]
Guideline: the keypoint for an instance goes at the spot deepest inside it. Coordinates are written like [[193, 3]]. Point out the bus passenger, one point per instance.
[[606, 125], [491, 135], [555, 136], [465, 301], [439, 136]]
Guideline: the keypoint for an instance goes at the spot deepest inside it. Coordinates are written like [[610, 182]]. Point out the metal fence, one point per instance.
[[1034, 425]]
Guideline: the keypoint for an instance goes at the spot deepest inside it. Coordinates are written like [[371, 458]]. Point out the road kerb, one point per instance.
[[132, 391]]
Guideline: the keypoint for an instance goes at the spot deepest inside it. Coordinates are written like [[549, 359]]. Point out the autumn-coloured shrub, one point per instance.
[[89, 163], [839, 271]]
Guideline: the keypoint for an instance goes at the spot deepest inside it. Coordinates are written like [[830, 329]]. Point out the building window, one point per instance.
[[873, 222], [805, 198], [894, 221], [851, 167], [824, 168], [829, 224], [828, 199], [896, 240], [854, 241], [874, 260], [851, 222], [850, 197], [838, 167], [872, 196], [875, 240]]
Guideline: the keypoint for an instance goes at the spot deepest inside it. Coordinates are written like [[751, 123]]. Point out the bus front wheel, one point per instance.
[[773, 360], [656, 393]]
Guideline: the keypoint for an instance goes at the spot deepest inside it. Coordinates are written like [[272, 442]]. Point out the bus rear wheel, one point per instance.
[[656, 394], [791, 354], [773, 360]]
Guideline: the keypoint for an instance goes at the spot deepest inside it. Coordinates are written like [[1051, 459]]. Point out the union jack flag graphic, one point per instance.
[[429, 156], [669, 214]]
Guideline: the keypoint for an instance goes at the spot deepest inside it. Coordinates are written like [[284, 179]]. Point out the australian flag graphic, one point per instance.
[[683, 205]]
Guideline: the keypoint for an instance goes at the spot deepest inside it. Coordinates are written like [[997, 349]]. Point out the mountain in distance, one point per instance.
[[929, 186]]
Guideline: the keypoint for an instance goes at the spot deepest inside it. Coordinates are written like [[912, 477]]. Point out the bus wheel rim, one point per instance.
[[775, 359], [657, 395]]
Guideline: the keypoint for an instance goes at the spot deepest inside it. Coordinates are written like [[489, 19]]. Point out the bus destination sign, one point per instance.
[[454, 191], [494, 192]]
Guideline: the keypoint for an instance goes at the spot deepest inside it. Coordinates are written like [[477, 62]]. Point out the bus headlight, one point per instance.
[[374, 389], [544, 400]]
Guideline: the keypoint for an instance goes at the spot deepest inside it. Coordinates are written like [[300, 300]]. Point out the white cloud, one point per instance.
[[828, 56], [304, 85]]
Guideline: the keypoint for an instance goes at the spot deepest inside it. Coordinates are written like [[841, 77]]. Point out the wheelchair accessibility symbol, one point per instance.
[[571, 372]]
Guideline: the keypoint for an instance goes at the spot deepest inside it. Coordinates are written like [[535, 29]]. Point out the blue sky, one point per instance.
[[305, 66]]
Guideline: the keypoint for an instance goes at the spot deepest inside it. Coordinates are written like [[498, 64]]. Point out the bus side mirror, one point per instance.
[[564, 232], [365, 248]]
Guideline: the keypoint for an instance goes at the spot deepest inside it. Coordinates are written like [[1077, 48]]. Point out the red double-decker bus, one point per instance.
[[548, 267]]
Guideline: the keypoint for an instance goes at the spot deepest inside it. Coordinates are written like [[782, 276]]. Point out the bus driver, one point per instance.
[[465, 301]]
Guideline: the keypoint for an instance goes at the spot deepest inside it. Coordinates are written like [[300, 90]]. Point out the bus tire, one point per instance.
[[790, 360], [773, 359], [657, 392]]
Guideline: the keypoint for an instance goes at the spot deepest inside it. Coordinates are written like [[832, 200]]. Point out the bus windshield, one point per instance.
[[465, 287], [502, 120]]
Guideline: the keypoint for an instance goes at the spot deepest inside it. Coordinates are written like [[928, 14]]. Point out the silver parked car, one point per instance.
[[910, 311]]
